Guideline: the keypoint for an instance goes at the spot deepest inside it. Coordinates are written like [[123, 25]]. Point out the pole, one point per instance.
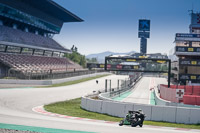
[[125, 84], [118, 84], [106, 82], [105, 66], [169, 73], [110, 86]]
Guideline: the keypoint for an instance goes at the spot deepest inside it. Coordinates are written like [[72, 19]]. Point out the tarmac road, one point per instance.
[[16, 108], [142, 91]]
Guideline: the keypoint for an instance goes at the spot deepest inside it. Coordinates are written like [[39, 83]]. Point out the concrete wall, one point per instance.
[[47, 82], [153, 113]]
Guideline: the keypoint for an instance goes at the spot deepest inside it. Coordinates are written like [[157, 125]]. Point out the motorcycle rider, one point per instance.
[[140, 115]]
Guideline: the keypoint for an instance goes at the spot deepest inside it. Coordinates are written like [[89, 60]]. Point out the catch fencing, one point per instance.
[[41, 75]]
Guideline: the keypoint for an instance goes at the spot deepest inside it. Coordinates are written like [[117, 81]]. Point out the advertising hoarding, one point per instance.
[[144, 25], [187, 49], [187, 35], [144, 34], [187, 62], [189, 77], [95, 65]]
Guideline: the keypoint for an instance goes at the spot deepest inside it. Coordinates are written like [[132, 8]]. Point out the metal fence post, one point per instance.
[[106, 82]]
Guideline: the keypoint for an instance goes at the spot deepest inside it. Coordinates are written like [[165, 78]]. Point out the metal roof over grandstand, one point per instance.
[[30, 40], [54, 9]]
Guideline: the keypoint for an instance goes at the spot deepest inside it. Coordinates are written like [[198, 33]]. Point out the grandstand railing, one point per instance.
[[40, 75]]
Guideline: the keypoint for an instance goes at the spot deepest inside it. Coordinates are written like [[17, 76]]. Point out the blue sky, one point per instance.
[[112, 25]]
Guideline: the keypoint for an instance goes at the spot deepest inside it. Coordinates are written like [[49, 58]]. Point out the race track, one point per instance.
[[16, 108], [142, 91]]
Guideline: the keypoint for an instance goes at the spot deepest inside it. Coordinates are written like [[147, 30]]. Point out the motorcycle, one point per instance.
[[133, 118]]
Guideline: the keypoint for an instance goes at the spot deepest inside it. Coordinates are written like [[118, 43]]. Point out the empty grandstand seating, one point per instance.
[[17, 36], [36, 64]]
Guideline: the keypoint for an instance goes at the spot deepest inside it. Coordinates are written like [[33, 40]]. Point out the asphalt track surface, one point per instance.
[[16, 108], [142, 91]]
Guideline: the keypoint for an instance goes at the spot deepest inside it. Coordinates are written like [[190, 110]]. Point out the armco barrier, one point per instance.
[[154, 113]]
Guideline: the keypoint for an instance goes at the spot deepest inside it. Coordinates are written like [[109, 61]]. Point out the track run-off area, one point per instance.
[[16, 108]]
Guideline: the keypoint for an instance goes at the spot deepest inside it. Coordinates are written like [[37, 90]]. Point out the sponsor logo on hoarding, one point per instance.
[[130, 60], [189, 77], [108, 66], [187, 35], [189, 62], [193, 77], [142, 56], [127, 67], [102, 66], [95, 65], [193, 62], [160, 61], [144, 25], [190, 49], [119, 66], [135, 67], [187, 49]]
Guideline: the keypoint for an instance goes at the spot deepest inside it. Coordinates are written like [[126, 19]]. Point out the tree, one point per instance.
[[83, 61], [92, 60], [76, 57]]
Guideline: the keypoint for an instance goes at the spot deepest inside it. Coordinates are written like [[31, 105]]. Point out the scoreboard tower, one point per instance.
[[143, 33]]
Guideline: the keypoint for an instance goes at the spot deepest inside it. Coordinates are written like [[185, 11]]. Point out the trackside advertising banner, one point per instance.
[[189, 77], [188, 62], [187, 35], [187, 49]]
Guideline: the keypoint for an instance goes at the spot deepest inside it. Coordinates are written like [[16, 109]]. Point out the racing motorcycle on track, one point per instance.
[[133, 118]]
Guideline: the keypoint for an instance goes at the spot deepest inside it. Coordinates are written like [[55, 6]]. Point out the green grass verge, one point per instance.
[[75, 81], [72, 108]]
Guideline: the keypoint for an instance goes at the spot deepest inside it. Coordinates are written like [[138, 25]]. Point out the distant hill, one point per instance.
[[101, 56]]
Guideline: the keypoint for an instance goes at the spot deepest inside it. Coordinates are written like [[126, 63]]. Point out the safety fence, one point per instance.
[[153, 113], [126, 86], [48, 81], [41, 75]]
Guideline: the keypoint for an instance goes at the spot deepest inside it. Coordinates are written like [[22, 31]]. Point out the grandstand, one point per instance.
[[26, 38]]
